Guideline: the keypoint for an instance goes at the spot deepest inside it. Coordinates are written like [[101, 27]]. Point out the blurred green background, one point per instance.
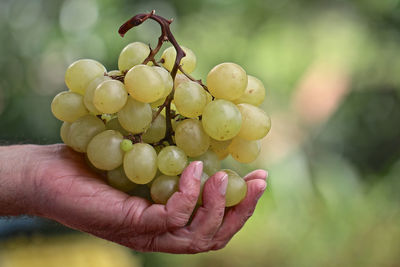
[[331, 71]]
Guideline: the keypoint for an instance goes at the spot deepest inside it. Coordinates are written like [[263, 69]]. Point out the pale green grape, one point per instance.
[[114, 124], [135, 116], [114, 73], [171, 160], [133, 54], [89, 94], [126, 145], [180, 78], [104, 150], [83, 130], [110, 96], [190, 99], [144, 84], [204, 178], [211, 163], [255, 122], [64, 132], [156, 131], [80, 73], [140, 163], [254, 93], [117, 179], [163, 187], [188, 62], [220, 148], [167, 79], [157, 103], [191, 138], [227, 81], [93, 168], [68, 106], [236, 190], [221, 120], [244, 151]]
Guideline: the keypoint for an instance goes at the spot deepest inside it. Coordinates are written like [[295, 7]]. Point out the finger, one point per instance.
[[257, 174], [177, 211], [208, 218], [236, 217]]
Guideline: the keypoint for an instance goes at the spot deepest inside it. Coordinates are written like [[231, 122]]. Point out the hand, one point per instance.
[[66, 190]]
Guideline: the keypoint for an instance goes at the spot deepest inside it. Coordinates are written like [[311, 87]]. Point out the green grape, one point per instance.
[[167, 79], [191, 138], [80, 73], [211, 163], [157, 103], [64, 131], [135, 116], [171, 160], [254, 93], [114, 124], [204, 178], [114, 73], [188, 62], [163, 188], [220, 148], [190, 99], [68, 106], [156, 131], [144, 84], [244, 151], [180, 78], [126, 145], [140, 163], [104, 150], [89, 94], [133, 54], [110, 96], [236, 190], [221, 120], [83, 130], [117, 179], [255, 122], [227, 81]]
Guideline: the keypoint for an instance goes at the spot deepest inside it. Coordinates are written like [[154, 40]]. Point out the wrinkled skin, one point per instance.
[[54, 182]]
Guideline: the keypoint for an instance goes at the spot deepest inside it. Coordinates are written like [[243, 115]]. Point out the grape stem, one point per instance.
[[193, 79], [166, 35]]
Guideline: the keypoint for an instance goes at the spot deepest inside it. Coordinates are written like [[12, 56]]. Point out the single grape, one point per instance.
[[171, 160], [68, 106], [114, 124], [163, 188], [220, 148], [157, 103], [89, 94], [110, 96], [126, 145], [254, 93], [104, 150], [221, 120], [64, 131], [227, 81], [117, 179], [167, 79], [244, 151], [156, 131], [144, 84], [255, 122], [236, 190], [135, 116], [80, 73], [83, 130], [114, 73], [180, 78], [191, 138], [204, 178], [190, 99], [188, 62], [133, 54], [211, 163], [140, 163]]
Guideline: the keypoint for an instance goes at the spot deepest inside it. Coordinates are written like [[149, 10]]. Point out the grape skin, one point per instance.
[[190, 99], [188, 62], [220, 148], [167, 79], [68, 106], [163, 187], [171, 160], [191, 138], [135, 116], [244, 151], [64, 130], [133, 54], [211, 162], [236, 190], [140, 163], [117, 179], [156, 131], [255, 122], [110, 96], [89, 94], [114, 124], [254, 93], [83, 130]]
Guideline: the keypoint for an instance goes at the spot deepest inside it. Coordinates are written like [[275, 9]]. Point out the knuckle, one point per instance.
[[178, 220]]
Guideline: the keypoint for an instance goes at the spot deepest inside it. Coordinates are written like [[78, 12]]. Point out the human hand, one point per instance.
[[66, 190]]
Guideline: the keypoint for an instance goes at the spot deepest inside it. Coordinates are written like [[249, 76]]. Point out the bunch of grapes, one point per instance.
[[143, 123]]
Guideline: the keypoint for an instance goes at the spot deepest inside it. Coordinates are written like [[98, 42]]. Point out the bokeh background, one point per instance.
[[332, 74]]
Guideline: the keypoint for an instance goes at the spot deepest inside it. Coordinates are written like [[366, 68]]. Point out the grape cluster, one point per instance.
[[142, 126]]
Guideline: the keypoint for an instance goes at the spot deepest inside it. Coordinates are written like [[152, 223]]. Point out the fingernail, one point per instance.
[[223, 184], [198, 170]]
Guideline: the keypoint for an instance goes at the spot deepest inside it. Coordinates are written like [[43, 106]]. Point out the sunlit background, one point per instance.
[[332, 74]]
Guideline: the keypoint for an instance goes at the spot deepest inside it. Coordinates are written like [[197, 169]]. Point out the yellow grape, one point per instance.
[[191, 138], [135, 116], [236, 190], [254, 93], [211, 163], [255, 122], [163, 187], [110, 96], [171, 160], [89, 94], [220, 148], [188, 62], [133, 54], [83, 130], [156, 131], [180, 78], [68, 106], [64, 132], [167, 79], [140, 163], [190, 99], [244, 151], [114, 73], [117, 179]]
